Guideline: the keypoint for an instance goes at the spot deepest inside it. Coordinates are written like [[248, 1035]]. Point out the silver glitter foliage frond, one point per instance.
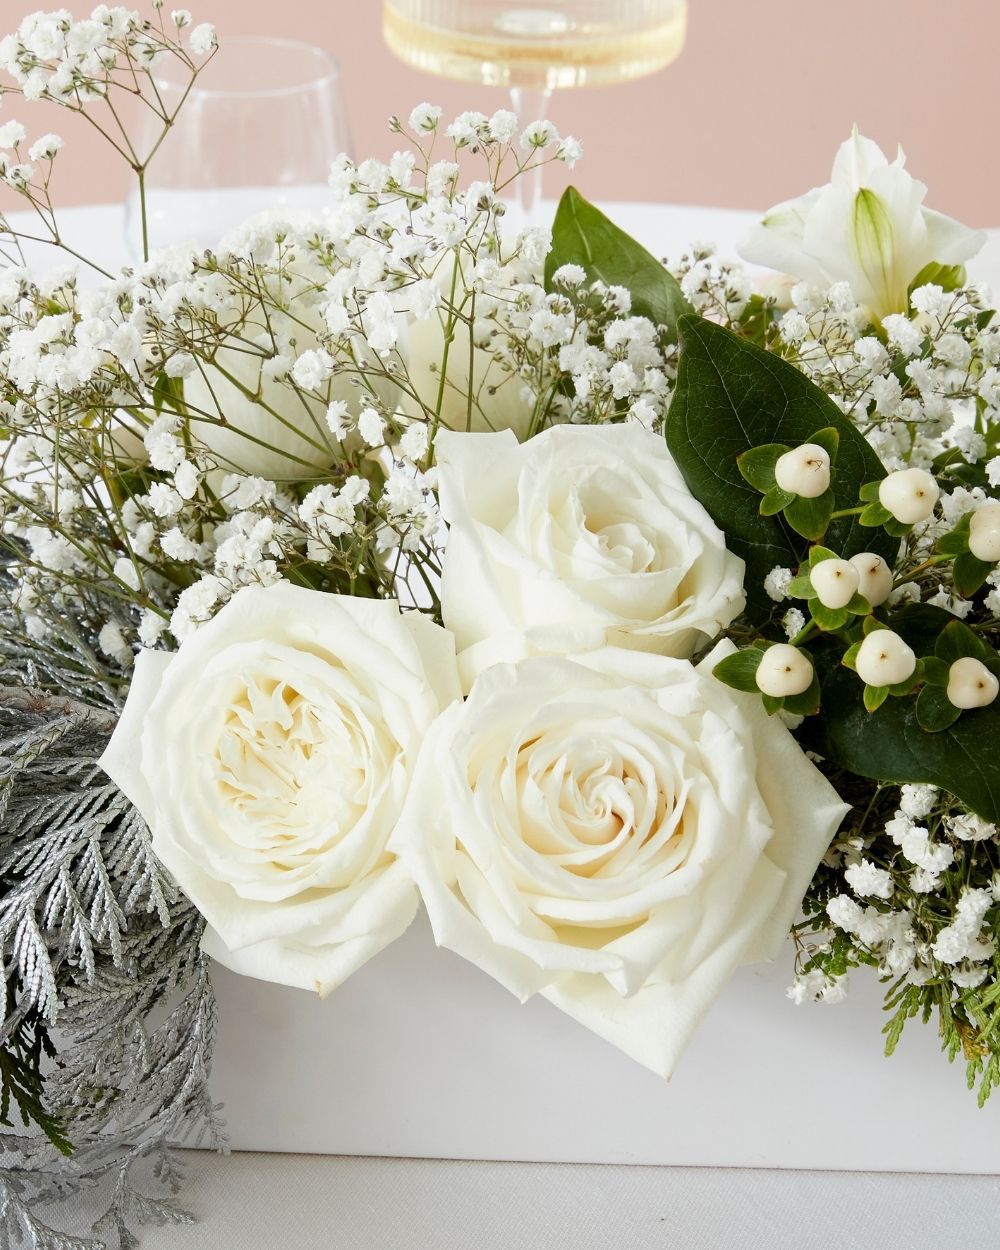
[[108, 1014]]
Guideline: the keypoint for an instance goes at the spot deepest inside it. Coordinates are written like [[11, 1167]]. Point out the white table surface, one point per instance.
[[259, 1201]]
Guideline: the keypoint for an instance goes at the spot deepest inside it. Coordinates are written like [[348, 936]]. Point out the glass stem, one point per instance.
[[531, 104]]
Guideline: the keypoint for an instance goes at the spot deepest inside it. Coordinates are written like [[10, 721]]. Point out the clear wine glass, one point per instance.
[[258, 130], [536, 48]]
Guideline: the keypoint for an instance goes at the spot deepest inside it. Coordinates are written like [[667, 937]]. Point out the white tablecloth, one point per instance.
[[302, 1202], [260, 1202]]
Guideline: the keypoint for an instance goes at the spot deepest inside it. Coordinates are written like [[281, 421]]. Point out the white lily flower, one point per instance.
[[868, 227]]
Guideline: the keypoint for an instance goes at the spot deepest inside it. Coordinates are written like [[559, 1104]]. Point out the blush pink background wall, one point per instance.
[[750, 114]]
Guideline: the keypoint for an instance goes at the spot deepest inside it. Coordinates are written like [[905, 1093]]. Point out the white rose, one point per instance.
[[271, 756], [867, 227], [499, 398], [584, 536], [618, 837], [280, 434]]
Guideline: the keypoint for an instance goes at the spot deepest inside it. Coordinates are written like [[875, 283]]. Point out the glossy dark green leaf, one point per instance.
[[890, 745], [731, 397], [583, 235], [969, 574], [935, 711], [956, 641]]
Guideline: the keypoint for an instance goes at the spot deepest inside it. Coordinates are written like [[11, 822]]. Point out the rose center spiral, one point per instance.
[[285, 761]]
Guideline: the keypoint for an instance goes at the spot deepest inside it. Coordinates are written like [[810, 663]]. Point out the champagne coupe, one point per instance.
[[535, 48], [258, 130]]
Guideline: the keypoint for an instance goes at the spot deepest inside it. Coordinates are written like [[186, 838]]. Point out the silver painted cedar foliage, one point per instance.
[[101, 954]]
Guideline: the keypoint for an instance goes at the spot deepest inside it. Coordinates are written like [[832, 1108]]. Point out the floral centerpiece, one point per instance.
[[628, 616]]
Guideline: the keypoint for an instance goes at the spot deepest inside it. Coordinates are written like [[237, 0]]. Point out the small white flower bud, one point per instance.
[[834, 582], [909, 494], [884, 659], [784, 669], [971, 684], [874, 577], [804, 470], [984, 533]]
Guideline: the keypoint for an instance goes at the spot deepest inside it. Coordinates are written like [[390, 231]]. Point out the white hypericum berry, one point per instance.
[[971, 684], [874, 577], [784, 670], [835, 582], [804, 470], [884, 659], [909, 494], [984, 533]]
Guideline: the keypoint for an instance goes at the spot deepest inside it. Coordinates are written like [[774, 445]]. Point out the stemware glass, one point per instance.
[[535, 48], [258, 130]]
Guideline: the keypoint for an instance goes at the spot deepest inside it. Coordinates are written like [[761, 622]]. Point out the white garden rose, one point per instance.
[[617, 836], [472, 367], [271, 757], [242, 406], [584, 536], [252, 421], [867, 227]]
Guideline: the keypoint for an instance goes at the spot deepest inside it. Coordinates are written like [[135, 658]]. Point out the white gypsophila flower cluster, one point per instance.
[[926, 911], [717, 288], [205, 422], [55, 56]]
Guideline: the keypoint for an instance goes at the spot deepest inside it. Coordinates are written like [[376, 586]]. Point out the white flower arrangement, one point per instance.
[[628, 624]]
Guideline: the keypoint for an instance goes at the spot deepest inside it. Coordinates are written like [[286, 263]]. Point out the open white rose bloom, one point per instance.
[[579, 538], [387, 553], [618, 834], [271, 756], [867, 227]]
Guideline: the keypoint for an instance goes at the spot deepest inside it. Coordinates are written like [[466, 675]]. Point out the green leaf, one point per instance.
[[936, 671], [772, 704], [890, 745], [850, 656], [828, 619], [731, 397], [859, 605], [874, 697], [902, 688], [806, 703], [947, 277], [583, 235], [956, 541], [868, 493], [956, 641], [875, 515], [935, 711], [757, 466], [739, 670], [776, 500], [969, 574], [810, 517], [828, 439], [801, 587], [818, 554]]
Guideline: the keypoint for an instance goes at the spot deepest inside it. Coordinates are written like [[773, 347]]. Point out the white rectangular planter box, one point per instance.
[[421, 1054]]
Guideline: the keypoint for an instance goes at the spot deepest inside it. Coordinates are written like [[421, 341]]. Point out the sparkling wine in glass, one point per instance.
[[534, 49], [258, 130]]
